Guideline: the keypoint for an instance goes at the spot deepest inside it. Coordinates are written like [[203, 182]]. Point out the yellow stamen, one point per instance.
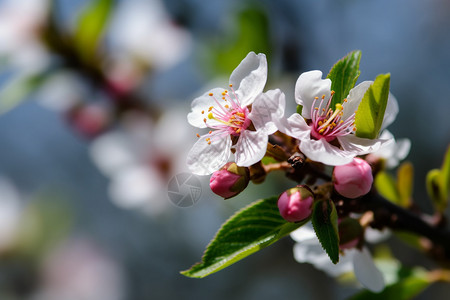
[[336, 112]]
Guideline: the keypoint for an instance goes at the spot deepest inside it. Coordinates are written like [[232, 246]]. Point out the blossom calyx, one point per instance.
[[230, 180], [295, 204], [354, 179]]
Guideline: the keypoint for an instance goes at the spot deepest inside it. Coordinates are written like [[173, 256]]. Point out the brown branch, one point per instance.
[[395, 217]]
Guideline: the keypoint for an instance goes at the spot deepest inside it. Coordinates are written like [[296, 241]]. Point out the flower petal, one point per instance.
[[311, 251], [393, 152], [309, 85], [267, 107], [322, 151], [391, 112], [360, 146], [304, 233], [366, 272], [249, 77], [202, 104], [251, 147], [204, 159], [354, 98], [295, 126]]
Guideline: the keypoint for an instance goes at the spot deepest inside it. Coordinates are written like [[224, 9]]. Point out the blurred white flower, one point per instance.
[[20, 22], [309, 250], [140, 157], [394, 152], [80, 270], [143, 30], [62, 91]]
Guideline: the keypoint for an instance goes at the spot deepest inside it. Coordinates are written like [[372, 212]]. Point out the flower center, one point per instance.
[[327, 123], [232, 118]]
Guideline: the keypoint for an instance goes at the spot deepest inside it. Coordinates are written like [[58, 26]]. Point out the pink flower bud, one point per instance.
[[295, 204], [230, 180], [353, 180]]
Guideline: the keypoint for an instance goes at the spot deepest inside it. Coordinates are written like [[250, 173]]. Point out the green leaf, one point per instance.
[[386, 186], [404, 289], [18, 89], [370, 113], [445, 176], [343, 76], [250, 32], [90, 27], [433, 183], [299, 109], [405, 178], [438, 184], [324, 220], [247, 231], [267, 160], [412, 239]]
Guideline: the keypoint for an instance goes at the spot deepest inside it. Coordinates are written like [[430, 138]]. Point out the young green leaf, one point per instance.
[[343, 76], [90, 27], [434, 189], [405, 183], [324, 220], [370, 113], [18, 89], [247, 231], [445, 176], [385, 185]]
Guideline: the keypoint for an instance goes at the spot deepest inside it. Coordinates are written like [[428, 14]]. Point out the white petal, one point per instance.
[[249, 77], [402, 150], [295, 126], [135, 187], [393, 152], [354, 98], [312, 252], [204, 159], [322, 151], [202, 104], [112, 152], [375, 236], [267, 107], [366, 272], [304, 233], [309, 85], [391, 112], [251, 147], [360, 146]]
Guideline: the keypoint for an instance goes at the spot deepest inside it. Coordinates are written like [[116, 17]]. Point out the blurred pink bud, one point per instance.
[[353, 180], [89, 120], [350, 233], [295, 204], [230, 180]]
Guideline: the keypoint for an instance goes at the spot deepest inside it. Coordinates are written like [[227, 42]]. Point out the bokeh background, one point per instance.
[[93, 100]]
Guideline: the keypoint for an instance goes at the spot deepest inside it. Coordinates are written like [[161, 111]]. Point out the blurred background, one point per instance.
[[93, 101]]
